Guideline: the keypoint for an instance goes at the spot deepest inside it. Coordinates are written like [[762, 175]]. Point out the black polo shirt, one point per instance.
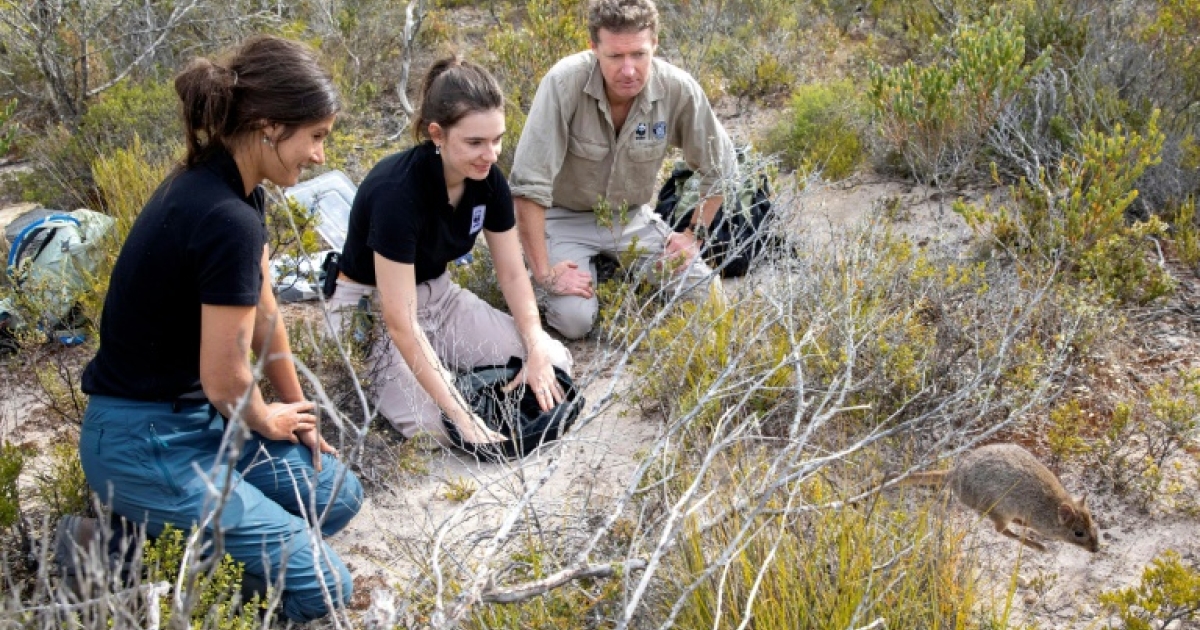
[[402, 211], [199, 240]]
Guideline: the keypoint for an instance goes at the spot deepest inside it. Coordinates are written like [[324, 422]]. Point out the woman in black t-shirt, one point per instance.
[[415, 213], [176, 430]]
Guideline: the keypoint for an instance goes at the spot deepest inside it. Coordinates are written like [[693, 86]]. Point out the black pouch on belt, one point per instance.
[[329, 267]]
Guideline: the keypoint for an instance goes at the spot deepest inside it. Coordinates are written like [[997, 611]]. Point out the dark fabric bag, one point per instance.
[[736, 237], [515, 414]]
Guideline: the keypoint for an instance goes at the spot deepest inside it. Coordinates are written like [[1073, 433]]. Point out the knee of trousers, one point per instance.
[[572, 318], [346, 504], [306, 601]]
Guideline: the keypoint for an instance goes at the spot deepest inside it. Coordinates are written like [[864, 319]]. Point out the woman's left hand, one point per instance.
[[538, 375], [317, 444]]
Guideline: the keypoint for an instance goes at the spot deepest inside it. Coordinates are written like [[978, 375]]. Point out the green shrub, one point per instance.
[[125, 179], [61, 485], [292, 231], [1185, 232], [936, 116], [821, 132], [8, 128], [1141, 437], [215, 589], [479, 277], [129, 111], [1077, 218], [12, 461], [722, 44], [1168, 593], [551, 29]]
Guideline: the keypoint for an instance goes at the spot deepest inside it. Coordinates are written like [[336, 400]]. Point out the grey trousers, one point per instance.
[[463, 330], [576, 236]]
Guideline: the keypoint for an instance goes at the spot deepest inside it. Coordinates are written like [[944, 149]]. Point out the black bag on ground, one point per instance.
[[515, 414], [736, 237]]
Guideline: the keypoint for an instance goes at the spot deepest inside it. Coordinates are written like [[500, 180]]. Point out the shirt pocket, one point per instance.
[[648, 153], [590, 151]]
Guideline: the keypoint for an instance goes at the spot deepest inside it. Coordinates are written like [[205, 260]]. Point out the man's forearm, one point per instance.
[[707, 211], [531, 226]]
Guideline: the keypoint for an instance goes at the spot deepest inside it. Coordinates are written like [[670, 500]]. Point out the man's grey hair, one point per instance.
[[621, 16]]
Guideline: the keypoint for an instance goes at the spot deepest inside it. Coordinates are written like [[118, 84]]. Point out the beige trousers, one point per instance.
[[463, 330], [576, 236]]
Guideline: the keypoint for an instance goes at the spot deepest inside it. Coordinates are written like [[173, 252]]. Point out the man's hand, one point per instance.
[[566, 278], [682, 248]]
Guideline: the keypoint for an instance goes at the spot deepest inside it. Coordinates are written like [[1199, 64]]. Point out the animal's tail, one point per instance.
[[931, 478]]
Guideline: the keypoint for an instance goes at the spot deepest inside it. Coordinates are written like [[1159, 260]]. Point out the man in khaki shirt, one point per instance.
[[587, 164]]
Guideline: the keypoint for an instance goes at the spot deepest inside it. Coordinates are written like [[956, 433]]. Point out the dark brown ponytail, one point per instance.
[[452, 89], [267, 80]]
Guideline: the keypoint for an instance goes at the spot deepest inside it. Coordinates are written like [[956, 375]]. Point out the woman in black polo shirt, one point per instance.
[[415, 213], [189, 299]]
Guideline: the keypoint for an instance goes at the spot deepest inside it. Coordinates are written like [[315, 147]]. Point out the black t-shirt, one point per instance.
[[198, 240], [402, 211]]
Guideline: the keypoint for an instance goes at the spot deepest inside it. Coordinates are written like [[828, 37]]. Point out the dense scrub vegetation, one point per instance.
[[781, 410]]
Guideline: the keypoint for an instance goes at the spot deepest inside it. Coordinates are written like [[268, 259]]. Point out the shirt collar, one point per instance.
[[431, 175], [222, 163]]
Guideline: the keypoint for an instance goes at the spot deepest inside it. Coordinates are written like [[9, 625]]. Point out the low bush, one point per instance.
[[61, 485], [12, 462], [147, 111], [936, 115], [1077, 218], [821, 133], [1168, 593], [824, 568], [211, 597]]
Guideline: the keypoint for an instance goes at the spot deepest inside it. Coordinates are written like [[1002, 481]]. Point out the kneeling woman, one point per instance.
[[415, 213], [189, 299]]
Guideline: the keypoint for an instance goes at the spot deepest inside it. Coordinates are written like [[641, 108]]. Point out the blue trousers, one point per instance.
[[157, 464]]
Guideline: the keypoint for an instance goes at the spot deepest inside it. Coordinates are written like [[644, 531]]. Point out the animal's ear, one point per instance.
[[1066, 513]]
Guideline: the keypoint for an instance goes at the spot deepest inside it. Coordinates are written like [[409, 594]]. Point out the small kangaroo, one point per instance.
[[1008, 484]]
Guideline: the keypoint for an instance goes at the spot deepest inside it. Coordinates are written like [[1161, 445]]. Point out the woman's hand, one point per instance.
[[474, 430], [538, 375], [317, 444], [284, 420]]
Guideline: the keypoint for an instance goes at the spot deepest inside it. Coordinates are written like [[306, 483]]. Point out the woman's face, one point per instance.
[[283, 164], [471, 146]]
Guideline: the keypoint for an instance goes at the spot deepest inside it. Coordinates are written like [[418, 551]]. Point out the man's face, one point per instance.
[[624, 62]]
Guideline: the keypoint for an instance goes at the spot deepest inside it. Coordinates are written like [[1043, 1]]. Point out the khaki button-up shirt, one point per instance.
[[570, 156]]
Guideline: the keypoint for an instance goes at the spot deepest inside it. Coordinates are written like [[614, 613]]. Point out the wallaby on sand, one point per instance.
[[1008, 484]]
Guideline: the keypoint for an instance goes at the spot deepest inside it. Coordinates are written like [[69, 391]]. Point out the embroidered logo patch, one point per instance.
[[641, 130], [477, 218], [660, 129]]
